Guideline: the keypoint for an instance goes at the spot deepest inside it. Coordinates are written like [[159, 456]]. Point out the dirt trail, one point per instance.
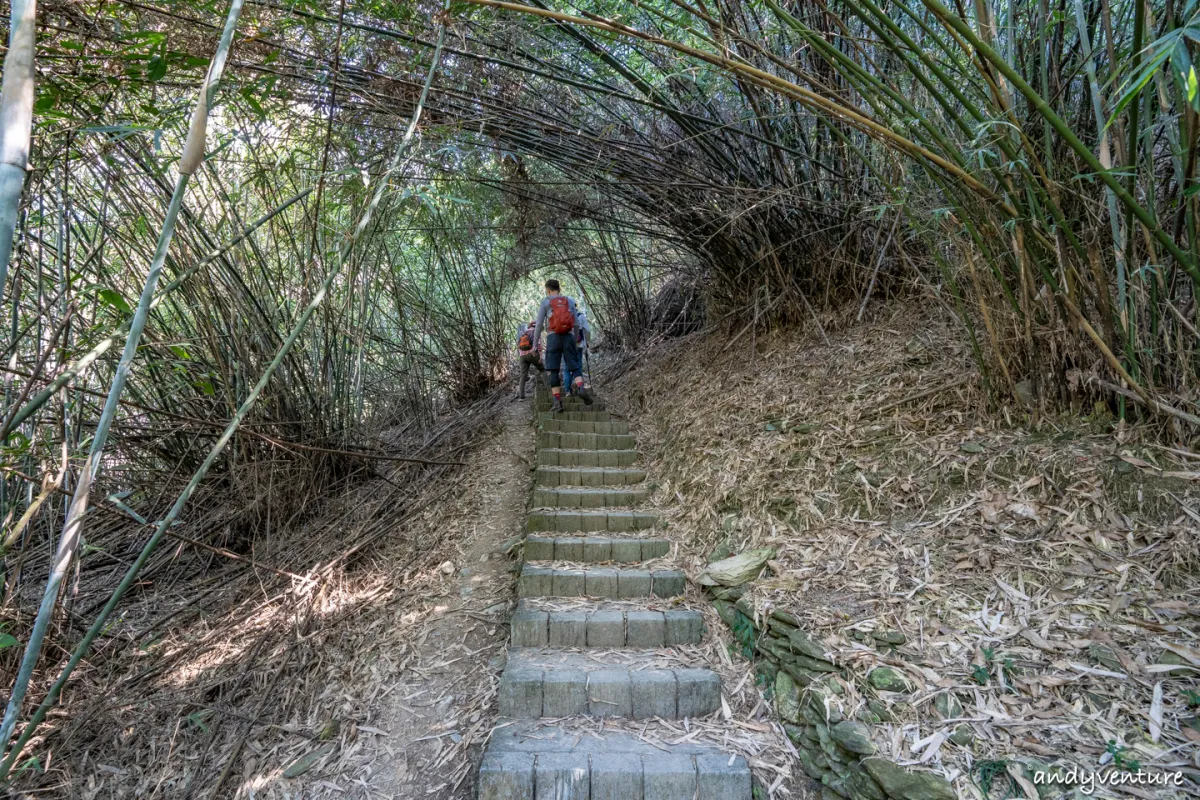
[[439, 710]]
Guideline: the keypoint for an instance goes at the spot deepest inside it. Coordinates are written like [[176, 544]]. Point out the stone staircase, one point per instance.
[[593, 637]]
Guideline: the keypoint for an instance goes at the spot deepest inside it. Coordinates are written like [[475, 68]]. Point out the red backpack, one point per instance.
[[561, 319]]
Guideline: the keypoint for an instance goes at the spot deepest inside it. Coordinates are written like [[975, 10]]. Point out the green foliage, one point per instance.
[[1121, 757], [992, 776], [744, 633]]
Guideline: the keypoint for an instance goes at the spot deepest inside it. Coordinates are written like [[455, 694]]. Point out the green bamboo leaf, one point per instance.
[[1161, 50], [1185, 73], [157, 69], [113, 298], [304, 763]]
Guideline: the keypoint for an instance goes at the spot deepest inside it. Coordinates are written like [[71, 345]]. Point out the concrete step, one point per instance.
[[559, 425], [570, 404], [588, 476], [575, 416], [553, 762], [587, 521], [589, 496], [606, 628], [594, 549], [585, 441], [600, 582], [565, 457], [541, 682]]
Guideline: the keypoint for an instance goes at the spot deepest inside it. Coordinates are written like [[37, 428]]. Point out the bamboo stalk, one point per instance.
[[16, 123], [73, 526]]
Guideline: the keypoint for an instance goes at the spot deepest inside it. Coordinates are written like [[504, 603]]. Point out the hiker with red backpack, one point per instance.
[[529, 354], [557, 316]]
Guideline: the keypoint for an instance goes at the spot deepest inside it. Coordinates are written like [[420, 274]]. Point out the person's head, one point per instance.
[[552, 287], [531, 324]]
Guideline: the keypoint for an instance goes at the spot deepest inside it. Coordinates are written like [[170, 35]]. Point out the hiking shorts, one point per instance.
[[561, 347]]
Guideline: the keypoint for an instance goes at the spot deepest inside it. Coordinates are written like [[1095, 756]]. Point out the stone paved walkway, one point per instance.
[[596, 655]]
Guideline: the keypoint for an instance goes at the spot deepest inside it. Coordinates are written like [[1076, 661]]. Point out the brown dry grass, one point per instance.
[[1042, 572], [238, 675]]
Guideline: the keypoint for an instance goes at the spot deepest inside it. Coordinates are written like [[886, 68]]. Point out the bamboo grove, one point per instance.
[[241, 245]]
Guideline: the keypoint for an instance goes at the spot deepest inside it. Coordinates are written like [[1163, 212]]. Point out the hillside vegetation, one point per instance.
[[259, 257]]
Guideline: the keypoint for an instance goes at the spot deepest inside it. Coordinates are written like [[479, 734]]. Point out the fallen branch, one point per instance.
[[927, 393], [1153, 404]]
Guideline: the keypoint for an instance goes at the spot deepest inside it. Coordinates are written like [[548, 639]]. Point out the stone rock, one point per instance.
[[786, 618], [880, 710], [812, 761], [853, 736], [766, 672], [962, 736], [730, 594], [1105, 657], [830, 686], [867, 716], [736, 570], [812, 715], [862, 786], [802, 676], [812, 664], [823, 699], [887, 679], [948, 706], [900, 784], [835, 786], [787, 697], [726, 612], [806, 645], [890, 637]]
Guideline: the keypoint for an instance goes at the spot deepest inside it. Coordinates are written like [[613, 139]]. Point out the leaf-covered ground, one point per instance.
[[1042, 572]]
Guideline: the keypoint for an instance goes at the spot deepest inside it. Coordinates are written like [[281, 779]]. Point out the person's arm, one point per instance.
[[541, 318]]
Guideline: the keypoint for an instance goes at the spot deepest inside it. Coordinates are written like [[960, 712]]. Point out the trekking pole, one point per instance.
[[587, 360]]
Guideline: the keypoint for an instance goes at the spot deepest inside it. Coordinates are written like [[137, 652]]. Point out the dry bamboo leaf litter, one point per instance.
[[391, 637], [1032, 587]]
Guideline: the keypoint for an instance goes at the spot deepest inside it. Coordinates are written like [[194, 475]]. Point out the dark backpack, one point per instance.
[[525, 343], [561, 319]]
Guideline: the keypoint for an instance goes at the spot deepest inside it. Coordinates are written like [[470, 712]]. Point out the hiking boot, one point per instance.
[[556, 406], [583, 391]]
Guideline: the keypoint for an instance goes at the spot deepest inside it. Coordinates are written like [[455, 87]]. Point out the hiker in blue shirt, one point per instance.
[[583, 337], [557, 315]]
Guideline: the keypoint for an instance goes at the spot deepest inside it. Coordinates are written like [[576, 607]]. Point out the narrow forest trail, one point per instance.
[[437, 714], [609, 691]]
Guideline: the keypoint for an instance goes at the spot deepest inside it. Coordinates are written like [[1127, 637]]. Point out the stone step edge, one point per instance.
[[589, 521], [623, 776], [605, 628], [602, 582], [532, 692], [603, 459], [594, 549], [549, 476], [589, 497]]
